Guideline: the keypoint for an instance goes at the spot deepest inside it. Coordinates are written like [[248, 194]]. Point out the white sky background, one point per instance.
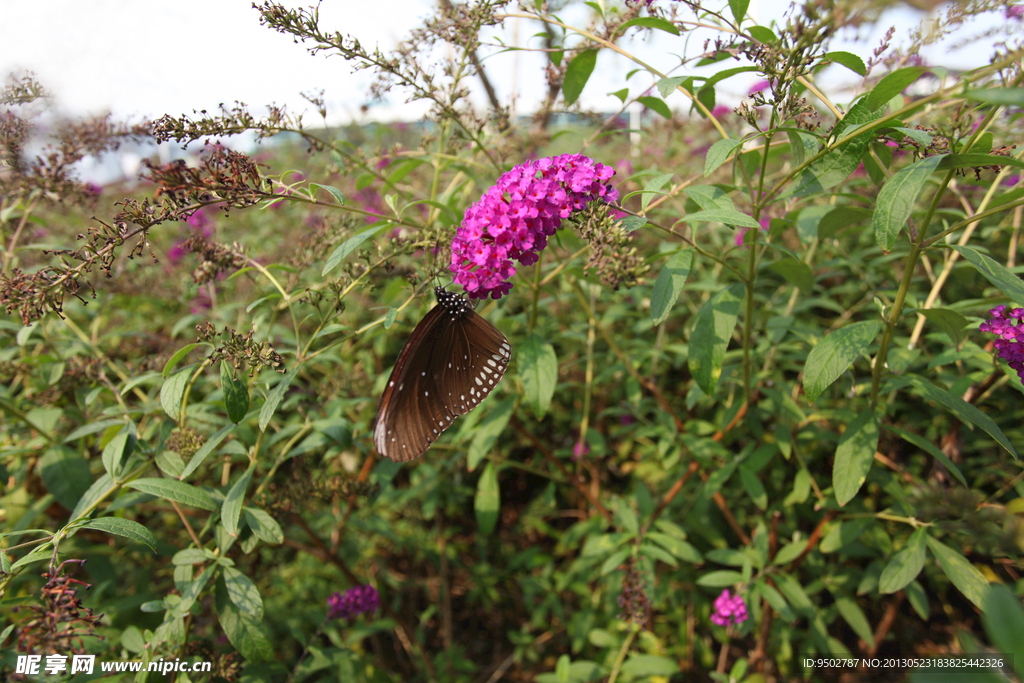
[[145, 59]]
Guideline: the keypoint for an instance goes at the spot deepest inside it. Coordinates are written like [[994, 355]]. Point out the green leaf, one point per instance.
[[950, 322], [652, 187], [669, 284], [960, 572], [65, 474], [613, 562], [929, 448], [263, 526], [796, 273], [754, 488], [205, 450], [538, 369], [621, 94], [123, 527], [718, 153], [712, 331], [350, 245], [965, 411], [175, 490], [236, 393], [854, 456], [246, 633], [801, 488], [1003, 617], [487, 432], [727, 216], [951, 161], [650, 22], [837, 164], [487, 503], [177, 357], [649, 665], [904, 565], [118, 450], [896, 200], [918, 136], [789, 553], [577, 74], [918, 599], [625, 517], [679, 548], [835, 354], [847, 59], [762, 34], [654, 553], [843, 534], [794, 593], [231, 509], [173, 391], [274, 398], [739, 9], [656, 104], [1004, 96], [243, 592], [666, 86], [99, 490], [891, 85], [720, 578], [336, 193], [631, 223], [854, 616], [994, 272]]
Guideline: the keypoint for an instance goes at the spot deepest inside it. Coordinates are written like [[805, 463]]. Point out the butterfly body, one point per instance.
[[452, 361]]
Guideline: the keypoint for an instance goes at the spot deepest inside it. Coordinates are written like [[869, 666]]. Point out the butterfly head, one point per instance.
[[455, 304]]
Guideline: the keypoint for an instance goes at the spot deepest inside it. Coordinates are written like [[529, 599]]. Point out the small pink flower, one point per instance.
[[729, 609], [176, 253], [758, 87], [720, 111]]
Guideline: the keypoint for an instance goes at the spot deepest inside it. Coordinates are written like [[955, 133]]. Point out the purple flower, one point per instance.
[[353, 602], [580, 449], [729, 609], [176, 253], [741, 233], [720, 111], [93, 189], [626, 419], [515, 217], [1009, 327], [202, 302], [1010, 181], [199, 220], [1015, 12]]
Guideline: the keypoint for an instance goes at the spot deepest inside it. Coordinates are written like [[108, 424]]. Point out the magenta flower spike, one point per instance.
[[729, 609]]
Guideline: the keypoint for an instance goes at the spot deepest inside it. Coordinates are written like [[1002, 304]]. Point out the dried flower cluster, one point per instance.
[[59, 624], [611, 250], [244, 353], [635, 605]]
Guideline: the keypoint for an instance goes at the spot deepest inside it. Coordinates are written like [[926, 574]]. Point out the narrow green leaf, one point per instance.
[[650, 22], [794, 593], [621, 94], [929, 448], [904, 565], [844, 533], [729, 217], [649, 665], [264, 526], [918, 599], [739, 9], [896, 200], [631, 223], [796, 273], [721, 578], [613, 562], [712, 331], [205, 450], [236, 393], [243, 592], [1003, 617], [487, 502], [625, 517], [100, 489], [487, 432], [350, 245], [338, 195], [175, 490], [123, 527], [669, 284], [960, 572], [118, 450], [762, 34], [274, 398], [65, 474], [389, 317], [994, 272], [837, 165], [718, 153], [177, 357], [656, 104], [754, 488], [679, 548], [950, 322], [577, 74], [854, 616], [847, 59], [538, 369], [231, 509], [789, 553], [652, 187], [173, 391], [854, 456], [835, 354], [891, 85], [965, 411], [245, 632]]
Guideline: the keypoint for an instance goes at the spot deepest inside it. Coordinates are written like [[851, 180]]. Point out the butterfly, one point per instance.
[[452, 361]]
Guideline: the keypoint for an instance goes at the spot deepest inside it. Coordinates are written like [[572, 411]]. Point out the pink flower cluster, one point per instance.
[[729, 609], [353, 602], [515, 217], [1009, 326]]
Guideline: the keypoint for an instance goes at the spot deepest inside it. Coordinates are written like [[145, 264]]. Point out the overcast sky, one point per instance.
[[144, 59]]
